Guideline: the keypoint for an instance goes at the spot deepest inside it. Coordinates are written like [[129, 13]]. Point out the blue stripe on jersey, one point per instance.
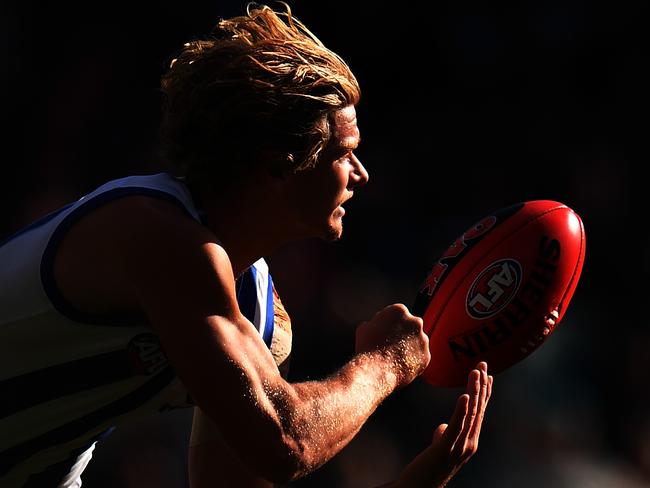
[[270, 314], [43, 220], [47, 262], [30, 389], [247, 293], [80, 426], [247, 297]]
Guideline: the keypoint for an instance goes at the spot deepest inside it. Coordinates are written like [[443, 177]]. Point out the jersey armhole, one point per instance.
[[48, 282]]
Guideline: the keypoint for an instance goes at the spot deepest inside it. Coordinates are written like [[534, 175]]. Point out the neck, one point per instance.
[[247, 223]]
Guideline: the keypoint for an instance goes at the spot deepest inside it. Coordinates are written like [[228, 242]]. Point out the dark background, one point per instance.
[[467, 107]]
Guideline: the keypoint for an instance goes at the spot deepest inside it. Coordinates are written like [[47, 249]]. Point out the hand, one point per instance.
[[454, 444], [398, 335]]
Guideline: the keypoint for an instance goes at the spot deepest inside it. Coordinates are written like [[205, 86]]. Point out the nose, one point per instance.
[[358, 176]]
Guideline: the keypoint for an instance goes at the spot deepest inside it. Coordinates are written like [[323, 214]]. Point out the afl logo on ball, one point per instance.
[[493, 288]]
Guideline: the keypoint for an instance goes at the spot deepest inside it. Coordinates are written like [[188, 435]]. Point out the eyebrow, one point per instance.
[[348, 145]]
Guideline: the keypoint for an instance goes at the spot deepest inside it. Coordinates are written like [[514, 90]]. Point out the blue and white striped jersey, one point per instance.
[[66, 378]]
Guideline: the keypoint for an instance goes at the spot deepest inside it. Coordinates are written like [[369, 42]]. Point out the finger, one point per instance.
[[438, 433], [456, 422], [482, 366], [473, 390], [480, 410], [483, 396]]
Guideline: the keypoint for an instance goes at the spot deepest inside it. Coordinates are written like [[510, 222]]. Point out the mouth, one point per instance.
[[346, 199], [339, 209]]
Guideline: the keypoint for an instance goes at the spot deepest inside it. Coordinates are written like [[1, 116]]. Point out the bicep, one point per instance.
[[183, 281]]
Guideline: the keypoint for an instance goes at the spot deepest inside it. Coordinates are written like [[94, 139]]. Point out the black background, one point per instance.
[[467, 107]]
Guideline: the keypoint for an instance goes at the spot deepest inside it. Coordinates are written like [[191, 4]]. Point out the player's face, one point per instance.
[[324, 189]]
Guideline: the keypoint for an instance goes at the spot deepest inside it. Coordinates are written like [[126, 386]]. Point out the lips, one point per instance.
[[339, 208], [349, 197]]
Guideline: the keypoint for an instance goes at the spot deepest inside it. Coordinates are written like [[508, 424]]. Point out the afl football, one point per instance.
[[501, 289]]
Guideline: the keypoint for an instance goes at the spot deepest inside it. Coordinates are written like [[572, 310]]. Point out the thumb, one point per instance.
[[437, 434]]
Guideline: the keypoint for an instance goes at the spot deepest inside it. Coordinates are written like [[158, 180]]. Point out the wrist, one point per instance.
[[379, 368]]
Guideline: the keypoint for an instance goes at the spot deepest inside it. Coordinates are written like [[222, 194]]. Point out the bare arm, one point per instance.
[[210, 461], [182, 279]]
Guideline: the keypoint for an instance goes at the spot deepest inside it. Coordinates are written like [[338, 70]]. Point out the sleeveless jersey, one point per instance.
[[66, 378]]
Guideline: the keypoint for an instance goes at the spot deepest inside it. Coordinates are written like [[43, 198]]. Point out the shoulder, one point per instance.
[[142, 213], [131, 244], [171, 262], [138, 220], [146, 232], [135, 222]]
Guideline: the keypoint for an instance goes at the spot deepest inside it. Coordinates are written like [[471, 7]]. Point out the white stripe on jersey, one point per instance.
[[261, 304], [38, 339]]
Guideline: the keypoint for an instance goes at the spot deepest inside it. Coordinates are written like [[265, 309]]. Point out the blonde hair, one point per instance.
[[262, 83]]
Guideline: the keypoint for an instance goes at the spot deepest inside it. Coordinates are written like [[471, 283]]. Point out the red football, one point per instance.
[[500, 290]]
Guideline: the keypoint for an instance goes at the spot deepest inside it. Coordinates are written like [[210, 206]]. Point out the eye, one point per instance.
[[345, 157]]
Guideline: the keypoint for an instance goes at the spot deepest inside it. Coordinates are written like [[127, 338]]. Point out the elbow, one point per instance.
[[272, 440], [285, 461], [287, 449]]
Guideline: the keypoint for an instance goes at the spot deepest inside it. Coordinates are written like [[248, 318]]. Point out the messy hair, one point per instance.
[[260, 84]]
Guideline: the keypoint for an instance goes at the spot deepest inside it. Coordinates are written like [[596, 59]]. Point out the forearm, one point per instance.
[[281, 430], [321, 417]]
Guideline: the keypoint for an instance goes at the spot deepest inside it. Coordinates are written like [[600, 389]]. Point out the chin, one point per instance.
[[334, 231], [334, 236]]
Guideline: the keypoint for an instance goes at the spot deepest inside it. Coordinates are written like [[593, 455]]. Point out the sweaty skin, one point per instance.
[[139, 256], [211, 462], [279, 430]]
